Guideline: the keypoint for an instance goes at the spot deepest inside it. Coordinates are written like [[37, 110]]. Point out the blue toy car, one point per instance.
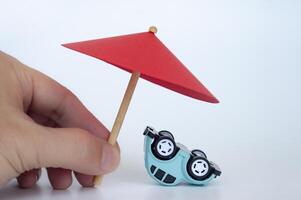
[[170, 163]]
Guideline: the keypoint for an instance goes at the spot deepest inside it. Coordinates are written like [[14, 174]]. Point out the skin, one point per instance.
[[43, 124]]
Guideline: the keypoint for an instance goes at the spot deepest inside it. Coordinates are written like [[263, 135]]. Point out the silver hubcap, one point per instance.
[[165, 147], [199, 167]]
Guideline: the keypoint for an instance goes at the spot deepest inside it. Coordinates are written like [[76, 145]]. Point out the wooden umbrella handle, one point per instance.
[[121, 114], [123, 107]]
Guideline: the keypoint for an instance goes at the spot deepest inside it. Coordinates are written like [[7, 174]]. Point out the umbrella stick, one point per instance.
[[121, 114]]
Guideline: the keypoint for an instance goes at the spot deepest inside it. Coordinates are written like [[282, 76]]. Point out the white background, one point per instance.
[[247, 53]]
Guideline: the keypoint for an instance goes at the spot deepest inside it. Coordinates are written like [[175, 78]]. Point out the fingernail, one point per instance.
[[109, 158]]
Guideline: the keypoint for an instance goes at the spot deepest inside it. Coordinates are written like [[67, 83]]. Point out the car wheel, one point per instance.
[[200, 153], [166, 133], [198, 168], [164, 147]]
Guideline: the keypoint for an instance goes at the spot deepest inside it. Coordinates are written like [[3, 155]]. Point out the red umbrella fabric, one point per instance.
[[146, 54]]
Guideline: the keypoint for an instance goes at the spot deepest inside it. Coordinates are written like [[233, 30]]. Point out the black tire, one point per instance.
[[164, 147], [200, 153], [167, 134], [199, 168]]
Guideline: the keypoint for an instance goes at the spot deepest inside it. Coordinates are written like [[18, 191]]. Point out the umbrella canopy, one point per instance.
[[146, 54]]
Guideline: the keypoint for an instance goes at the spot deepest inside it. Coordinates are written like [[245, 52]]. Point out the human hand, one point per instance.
[[42, 124]]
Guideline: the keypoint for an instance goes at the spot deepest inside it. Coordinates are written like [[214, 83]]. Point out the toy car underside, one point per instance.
[[171, 163]]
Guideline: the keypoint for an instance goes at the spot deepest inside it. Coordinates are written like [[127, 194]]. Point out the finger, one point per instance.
[[75, 149], [52, 100], [60, 179], [29, 178], [88, 180], [84, 180]]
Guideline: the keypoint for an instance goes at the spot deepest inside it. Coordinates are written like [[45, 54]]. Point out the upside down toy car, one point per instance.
[[171, 163]]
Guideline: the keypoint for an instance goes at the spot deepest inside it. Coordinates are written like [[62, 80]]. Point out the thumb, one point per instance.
[[76, 149]]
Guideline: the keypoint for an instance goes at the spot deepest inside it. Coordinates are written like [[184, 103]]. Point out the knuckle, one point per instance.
[[65, 101]]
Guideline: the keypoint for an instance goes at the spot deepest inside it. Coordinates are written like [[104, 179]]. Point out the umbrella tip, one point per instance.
[[153, 29]]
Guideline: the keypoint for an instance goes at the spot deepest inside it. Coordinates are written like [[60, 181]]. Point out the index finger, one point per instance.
[[54, 101]]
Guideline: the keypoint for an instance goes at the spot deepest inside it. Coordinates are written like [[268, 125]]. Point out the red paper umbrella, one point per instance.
[[145, 56]]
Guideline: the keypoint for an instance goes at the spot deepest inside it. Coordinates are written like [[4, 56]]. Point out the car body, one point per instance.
[[171, 163]]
